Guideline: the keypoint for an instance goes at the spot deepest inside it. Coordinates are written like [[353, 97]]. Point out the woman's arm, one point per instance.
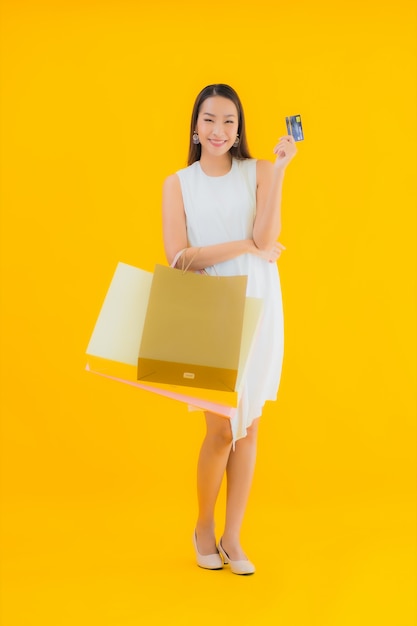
[[270, 177], [175, 234]]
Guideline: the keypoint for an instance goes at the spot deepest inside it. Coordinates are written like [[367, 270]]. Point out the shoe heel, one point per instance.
[[223, 554]]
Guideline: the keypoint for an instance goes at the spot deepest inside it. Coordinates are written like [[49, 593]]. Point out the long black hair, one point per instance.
[[242, 150]]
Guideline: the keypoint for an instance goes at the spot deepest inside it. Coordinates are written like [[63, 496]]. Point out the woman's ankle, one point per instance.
[[231, 544], [204, 528], [205, 538]]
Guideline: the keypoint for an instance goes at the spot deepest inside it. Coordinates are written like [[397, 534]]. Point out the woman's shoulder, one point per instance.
[[263, 165], [263, 170], [171, 184], [174, 179], [170, 179]]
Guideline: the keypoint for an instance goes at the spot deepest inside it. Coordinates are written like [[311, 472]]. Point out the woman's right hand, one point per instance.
[[271, 255]]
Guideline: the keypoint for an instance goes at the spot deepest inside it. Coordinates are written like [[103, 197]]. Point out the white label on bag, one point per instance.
[[189, 375]]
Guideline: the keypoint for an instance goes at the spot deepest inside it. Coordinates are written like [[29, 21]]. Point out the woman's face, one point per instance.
[[217, 125]]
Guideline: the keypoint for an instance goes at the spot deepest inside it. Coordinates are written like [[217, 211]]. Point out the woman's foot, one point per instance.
[[211, 560], [233, 549], [206, 540], [236, 558]]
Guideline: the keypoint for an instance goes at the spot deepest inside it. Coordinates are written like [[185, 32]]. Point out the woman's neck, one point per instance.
[[216, 166]]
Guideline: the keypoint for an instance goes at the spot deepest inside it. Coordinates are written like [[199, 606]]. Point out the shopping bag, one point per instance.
[[193, 329], [179, 394], [114, 345]]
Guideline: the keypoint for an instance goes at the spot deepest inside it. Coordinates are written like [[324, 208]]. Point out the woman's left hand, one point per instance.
[[271, 255], [285, 151]]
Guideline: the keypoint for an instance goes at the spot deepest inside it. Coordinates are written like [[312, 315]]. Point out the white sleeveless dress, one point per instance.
[[219, 209]]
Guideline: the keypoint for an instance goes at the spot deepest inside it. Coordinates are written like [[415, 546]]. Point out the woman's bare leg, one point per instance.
[[211, 467], [240, 470]]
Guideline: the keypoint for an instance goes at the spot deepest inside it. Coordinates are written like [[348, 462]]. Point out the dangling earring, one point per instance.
[[196, 139], [235, 145]]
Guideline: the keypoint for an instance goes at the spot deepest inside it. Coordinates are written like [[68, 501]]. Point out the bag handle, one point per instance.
[[179, 255]]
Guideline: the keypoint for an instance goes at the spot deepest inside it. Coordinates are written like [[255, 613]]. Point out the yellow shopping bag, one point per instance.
[[193, 329], [119, 339]]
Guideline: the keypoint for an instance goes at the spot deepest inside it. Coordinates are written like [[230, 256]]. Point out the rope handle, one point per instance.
[[181, 255]]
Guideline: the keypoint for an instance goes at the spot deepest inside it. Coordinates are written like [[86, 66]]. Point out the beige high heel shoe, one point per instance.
[[243, 567], [207, 561]]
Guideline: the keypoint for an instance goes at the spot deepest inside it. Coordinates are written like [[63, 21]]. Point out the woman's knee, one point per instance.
[[219, 430]]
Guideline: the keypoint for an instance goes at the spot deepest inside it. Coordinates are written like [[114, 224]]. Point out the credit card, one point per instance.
[[294, 127]]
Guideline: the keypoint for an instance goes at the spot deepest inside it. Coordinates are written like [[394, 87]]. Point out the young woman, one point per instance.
[[224, 209]]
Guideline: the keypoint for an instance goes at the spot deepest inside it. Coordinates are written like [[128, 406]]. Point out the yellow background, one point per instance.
[[98, 501]]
